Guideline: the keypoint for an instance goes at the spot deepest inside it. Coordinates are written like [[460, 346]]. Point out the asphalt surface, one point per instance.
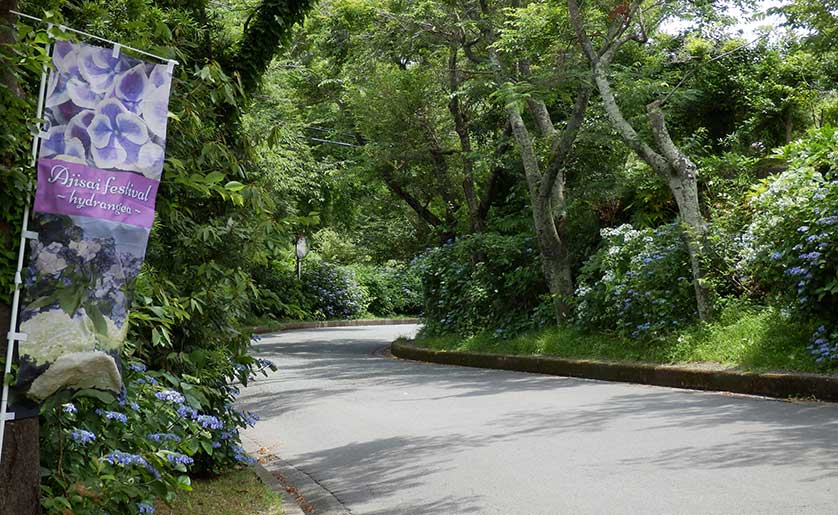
[[389, 437]]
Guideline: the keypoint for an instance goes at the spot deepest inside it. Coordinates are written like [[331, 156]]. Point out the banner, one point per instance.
[[99, 167]]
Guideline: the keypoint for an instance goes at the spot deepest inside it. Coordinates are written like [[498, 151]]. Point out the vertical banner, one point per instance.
[[99, 167]]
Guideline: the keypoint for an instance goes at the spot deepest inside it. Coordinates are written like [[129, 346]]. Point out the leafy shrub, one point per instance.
[[390, 290], [280, 292], [638, 283], [331, 291], [117, 456], [486, 282], [790, 248]]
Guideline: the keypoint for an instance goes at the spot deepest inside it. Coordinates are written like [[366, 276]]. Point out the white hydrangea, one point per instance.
[[49, 262], [86, 250], [53, 333]]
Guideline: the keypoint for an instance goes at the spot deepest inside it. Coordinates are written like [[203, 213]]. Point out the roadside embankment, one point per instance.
[[779, 385]]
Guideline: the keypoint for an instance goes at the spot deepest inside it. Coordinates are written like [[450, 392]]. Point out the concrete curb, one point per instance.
[[779, 385], [289, 505], [332, 323], [300, 493]]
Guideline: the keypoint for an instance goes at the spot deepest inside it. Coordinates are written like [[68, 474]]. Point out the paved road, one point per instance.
[[393, 437]]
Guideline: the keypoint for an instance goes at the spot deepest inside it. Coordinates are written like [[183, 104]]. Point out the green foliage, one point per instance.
[[638, 283], [483, 282], [789, 248], [390, 290], [107, 455]]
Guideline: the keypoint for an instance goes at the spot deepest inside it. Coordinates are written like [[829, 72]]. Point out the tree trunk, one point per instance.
[[20, 465], [554, 256]]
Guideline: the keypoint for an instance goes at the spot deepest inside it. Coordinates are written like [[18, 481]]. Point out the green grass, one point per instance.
[[751, 338], [236, 493]]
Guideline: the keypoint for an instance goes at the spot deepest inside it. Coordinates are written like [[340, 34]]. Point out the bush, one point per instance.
[[281, 294], [485, 282], [638, 283], [117, 456], [790, 248], [331, 291], [390, 290]]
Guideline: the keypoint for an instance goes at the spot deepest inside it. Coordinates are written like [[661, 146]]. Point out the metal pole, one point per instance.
[[13, 336]]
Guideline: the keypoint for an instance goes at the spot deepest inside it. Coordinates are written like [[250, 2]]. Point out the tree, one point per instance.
[[662, 155]]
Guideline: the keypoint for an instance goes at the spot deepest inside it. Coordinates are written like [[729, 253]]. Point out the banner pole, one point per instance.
[[25, 234]]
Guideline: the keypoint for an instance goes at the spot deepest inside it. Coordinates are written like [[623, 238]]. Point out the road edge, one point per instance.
[[260, 329], [777, 385]]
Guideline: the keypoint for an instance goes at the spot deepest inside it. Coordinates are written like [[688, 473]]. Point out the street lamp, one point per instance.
[[302, 250]]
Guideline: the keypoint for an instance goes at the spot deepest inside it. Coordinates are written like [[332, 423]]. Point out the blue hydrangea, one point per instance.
[[82, 437], [171, 396], [250, 418], [241, 456], [186, 412], [144, 507], [776, 255], [126, 459], [69, 408], [138, 367], [163, 437], [113, 415], [176, 458], [209, 422]]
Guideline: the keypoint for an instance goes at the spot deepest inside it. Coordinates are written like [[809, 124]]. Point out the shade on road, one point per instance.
[[387, 436]]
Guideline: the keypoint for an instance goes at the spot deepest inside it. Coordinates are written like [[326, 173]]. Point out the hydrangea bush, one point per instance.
[[332, 291], [484, 283], [106, 455], [790, 248], [638, 283]]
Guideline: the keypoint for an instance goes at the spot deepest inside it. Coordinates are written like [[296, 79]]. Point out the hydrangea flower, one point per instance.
[[187, 412], [176, 458], [163, 437], [126, 459], [113, 415], [69, 408], [82, 437], [144, 507], [138, 367], [209, 422], [171, 396]]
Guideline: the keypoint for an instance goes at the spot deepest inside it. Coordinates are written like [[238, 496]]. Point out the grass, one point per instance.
[[750, 338], [236, 493]]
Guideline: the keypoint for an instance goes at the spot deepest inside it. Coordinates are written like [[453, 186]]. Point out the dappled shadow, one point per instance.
[[342, 366], [640, 427], [379, 472], [750, 431]]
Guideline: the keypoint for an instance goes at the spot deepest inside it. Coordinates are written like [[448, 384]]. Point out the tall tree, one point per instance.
[[661, 154]]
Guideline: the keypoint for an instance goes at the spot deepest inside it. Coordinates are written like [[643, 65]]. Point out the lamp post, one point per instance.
[[302, 250]]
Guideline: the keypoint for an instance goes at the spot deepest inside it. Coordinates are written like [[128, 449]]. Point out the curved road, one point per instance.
[[390, 437]]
